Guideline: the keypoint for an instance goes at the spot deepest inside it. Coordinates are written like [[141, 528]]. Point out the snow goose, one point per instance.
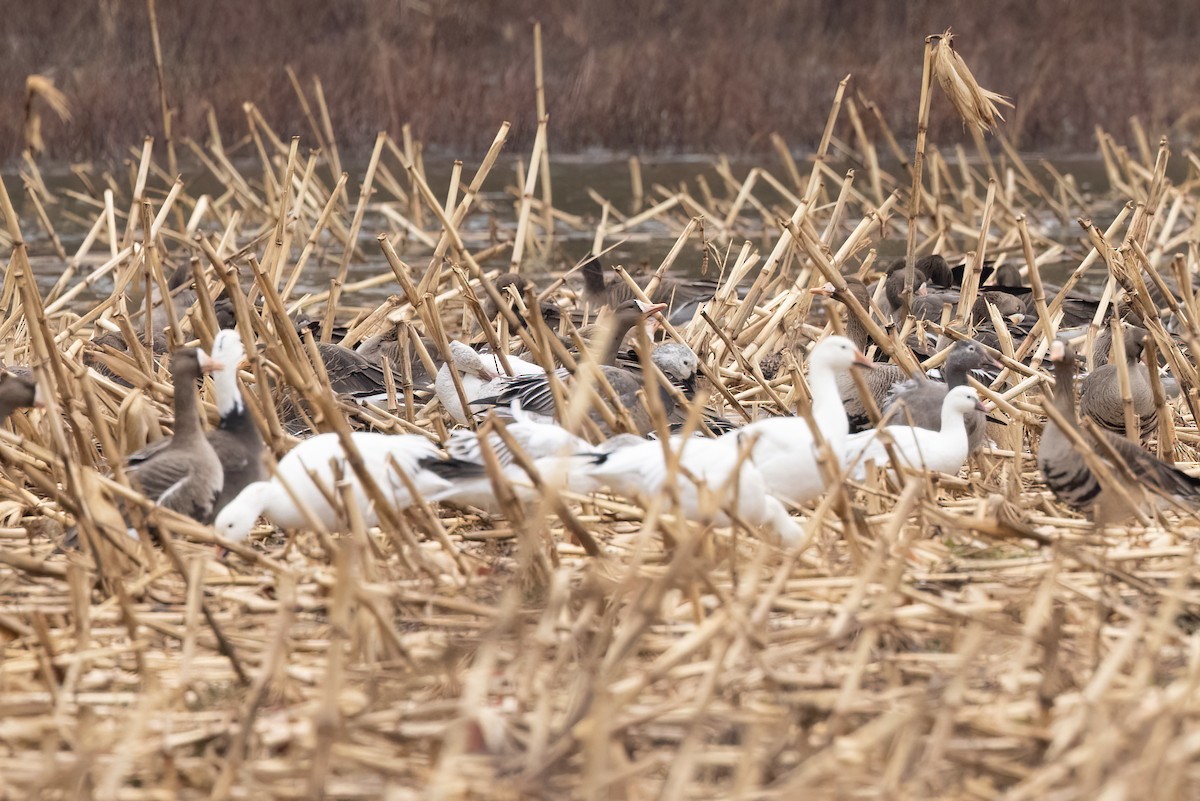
[[879, 382], [941, 451], [1072, 481], [184, 475], [713, 476], [784, 447], [312, 470], [919, 402], [559, 457], [533, 392], [237, 440], [480, 375]]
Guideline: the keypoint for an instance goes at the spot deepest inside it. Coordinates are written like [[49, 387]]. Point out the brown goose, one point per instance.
[[387, 345], [681, 296], [17, 391], [351, 373], [1100, 398], [1068, 476], [879, 382], [509, 283], [618, 325], [185, 475], [237, 441]]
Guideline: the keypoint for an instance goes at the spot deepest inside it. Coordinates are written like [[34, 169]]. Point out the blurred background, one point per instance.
[[643, 76]]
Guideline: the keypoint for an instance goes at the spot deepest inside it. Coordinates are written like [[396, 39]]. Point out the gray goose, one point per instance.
[[17, 391], [237, 441], [387, 345], [920, 400], [1068, 476], [506, 285], [350, 373], [185, 475], [682, 296], [879, 382], [618, 326], [1100, 397]]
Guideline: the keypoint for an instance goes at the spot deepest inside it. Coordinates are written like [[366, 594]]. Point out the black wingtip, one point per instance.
[[452, 468]]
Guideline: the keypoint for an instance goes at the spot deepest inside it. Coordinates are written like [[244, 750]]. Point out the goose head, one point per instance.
[[468, 361], [1135, 344], [239, 515], [228, 348], [189, 363], [970, 355], [854, 286], [839, 354], [678, 363], [962, 400], [894, 287], [229, 351]]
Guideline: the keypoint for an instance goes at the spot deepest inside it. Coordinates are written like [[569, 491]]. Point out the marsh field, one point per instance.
[[926, 635]]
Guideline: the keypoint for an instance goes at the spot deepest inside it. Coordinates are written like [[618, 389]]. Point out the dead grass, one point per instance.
[[641, 76], [968, 639]]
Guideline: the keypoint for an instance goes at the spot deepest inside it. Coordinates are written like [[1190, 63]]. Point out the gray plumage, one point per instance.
[[682, 296], [387, 345], [879, 382], [185, 475], [1100, 398], [533, 393], [919, 402], [17, 391], [1068, 476], [237, 441]]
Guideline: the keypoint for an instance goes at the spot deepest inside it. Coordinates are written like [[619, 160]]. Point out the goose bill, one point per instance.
[[862, 361], [651, 309], [208, 364]]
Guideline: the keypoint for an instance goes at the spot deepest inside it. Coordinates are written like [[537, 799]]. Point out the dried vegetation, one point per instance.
[[960, 639]]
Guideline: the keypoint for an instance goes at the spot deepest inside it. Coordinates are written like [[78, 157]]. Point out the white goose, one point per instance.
[[942, 451], [559, 457], [478, 373], [783, 447], [323, 458], [711, 479]]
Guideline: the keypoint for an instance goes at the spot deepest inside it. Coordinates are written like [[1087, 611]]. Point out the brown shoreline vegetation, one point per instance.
[[931, 637], [632, 75]]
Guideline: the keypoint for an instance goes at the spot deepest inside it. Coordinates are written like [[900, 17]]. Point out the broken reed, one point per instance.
[[665, 632]]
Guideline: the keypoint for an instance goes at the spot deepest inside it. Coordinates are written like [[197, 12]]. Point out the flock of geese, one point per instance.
[[751, 474]]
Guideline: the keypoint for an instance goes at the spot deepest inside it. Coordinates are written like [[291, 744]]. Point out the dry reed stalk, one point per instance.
[[711, 649], [975, 266], [918, 166]]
